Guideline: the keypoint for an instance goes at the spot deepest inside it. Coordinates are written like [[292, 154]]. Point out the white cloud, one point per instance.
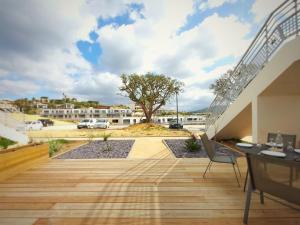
[[210, 4], [262, 8], [137, 48], [100, 86], [41, 48], [18, 87]]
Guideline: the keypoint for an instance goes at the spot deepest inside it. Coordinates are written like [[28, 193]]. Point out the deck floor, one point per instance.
[[165, 191]]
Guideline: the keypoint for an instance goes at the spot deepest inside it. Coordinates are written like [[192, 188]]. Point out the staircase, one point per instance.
[[12, 129], [273, 51]]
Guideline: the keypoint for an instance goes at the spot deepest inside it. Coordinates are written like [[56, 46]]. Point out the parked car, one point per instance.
[[33, 125], [174, 125], [101, 123], [46, 122], [86, 123]]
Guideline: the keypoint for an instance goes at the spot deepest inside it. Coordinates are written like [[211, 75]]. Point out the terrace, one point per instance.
[[133, 191], [163, 189]]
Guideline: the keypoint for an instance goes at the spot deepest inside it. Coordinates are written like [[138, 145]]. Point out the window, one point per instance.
[[126, 121]]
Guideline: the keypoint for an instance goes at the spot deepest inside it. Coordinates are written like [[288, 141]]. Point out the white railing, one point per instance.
[[281, 25]]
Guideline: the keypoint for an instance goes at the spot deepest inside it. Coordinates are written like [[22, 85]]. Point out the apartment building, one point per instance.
[[78, 114]]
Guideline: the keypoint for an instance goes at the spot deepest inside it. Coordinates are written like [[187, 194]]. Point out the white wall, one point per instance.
[[278, 113]]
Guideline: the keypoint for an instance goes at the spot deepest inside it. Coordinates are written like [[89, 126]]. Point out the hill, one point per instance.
[[204, 110]]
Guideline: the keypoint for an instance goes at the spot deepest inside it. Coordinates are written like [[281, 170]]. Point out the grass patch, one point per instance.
[[4, 142], [62, 141]]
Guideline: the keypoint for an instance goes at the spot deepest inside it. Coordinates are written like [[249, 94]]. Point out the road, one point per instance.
[[192, 128]]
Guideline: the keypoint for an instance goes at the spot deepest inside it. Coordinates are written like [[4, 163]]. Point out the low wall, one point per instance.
[[12, 134], [14, 161]]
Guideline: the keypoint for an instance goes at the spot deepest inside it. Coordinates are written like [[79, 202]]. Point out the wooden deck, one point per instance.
[[166, 191]]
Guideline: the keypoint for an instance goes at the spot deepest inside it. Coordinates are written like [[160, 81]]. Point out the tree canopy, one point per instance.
[[150, 91]]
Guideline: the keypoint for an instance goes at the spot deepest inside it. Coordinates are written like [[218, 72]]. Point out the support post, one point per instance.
[[177, 109]]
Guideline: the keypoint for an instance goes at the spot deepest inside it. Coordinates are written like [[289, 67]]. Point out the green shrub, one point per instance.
[[54, 146], [91, 137], [4, 142], [105, 136], [191, 144], [105, 139]]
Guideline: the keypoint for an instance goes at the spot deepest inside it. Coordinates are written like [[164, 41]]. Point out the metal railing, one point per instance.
[[281, 25]]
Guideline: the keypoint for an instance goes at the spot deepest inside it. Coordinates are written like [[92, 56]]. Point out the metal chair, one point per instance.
[[286, 138], [214, 157], [269, 175]]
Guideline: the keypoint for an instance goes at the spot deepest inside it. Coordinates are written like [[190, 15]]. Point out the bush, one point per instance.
[[4, 142], [106, 136], [91, 137], [105, 139], [191, 144], [54, 146]]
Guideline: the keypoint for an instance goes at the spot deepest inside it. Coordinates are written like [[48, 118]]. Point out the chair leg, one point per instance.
[[237, 165], [246, 179], [261, 195], [247, 204], [208, 166], [236, 176]]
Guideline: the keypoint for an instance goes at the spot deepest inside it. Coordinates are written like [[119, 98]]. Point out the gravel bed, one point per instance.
[[100, 149], [177, 146]]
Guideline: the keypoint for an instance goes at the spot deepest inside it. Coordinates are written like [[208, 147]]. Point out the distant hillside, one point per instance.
[[204, 110]]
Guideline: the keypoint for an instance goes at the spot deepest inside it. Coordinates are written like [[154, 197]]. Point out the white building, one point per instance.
[[78, 114]]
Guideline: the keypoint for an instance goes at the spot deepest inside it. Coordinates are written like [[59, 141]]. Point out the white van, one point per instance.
[[102, 123], [86, 123], [33, 125]]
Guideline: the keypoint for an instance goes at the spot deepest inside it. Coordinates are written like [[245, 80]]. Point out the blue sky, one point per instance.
[[81, 47]]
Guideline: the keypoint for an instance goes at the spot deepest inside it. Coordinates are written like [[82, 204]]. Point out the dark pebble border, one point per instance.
[[177, 146], [100, 149]]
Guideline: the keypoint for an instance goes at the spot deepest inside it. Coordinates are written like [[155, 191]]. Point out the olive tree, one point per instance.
[[150, 91]]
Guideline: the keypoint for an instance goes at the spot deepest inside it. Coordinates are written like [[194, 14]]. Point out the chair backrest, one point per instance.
[[275, 176], [208, 146], [286, 138]]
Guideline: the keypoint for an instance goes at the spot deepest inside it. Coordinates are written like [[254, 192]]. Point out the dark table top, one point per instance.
[[290, 155]]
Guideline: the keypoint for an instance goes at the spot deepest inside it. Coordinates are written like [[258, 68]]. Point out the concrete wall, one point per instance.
[[239, 127], [12, 134], [278, 113], [281, 73]]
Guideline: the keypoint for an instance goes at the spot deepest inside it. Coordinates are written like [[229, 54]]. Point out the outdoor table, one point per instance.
[[290, 155]]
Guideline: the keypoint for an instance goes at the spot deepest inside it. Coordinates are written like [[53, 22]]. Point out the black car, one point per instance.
[[176, 126], [46, 122]]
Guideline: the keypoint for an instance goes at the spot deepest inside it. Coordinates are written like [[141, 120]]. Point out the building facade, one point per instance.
[[78, 114]]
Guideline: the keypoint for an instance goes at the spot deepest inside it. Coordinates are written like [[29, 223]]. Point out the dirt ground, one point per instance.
[[139, 130]]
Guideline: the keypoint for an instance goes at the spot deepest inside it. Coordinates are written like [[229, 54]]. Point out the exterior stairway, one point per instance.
[[266, 75], [12, 129]]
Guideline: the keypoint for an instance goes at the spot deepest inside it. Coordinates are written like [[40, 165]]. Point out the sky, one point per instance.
[[81, 47]]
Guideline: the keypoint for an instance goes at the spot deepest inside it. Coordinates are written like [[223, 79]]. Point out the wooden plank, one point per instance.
[[14, 162], [165, 221], [133, 192], [154, 213]]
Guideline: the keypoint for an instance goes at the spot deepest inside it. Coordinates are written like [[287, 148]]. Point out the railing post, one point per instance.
[[296, 16], [267, 44]]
